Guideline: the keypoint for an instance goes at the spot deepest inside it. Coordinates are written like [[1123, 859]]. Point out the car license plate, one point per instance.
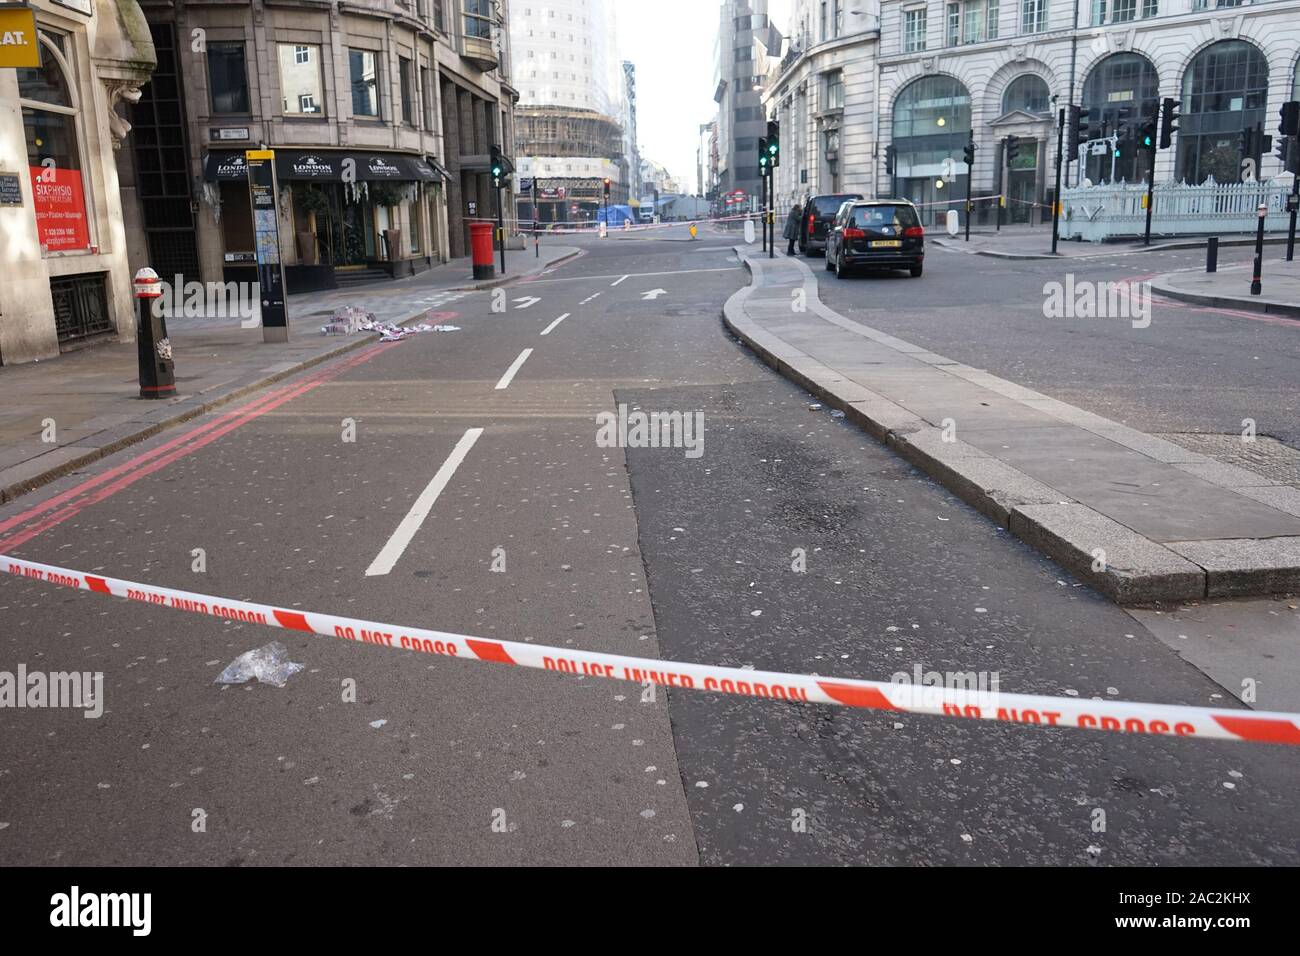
[[886, 244]]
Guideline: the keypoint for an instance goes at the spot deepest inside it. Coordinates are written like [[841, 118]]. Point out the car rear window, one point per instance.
[[873, 217], [830, 205]]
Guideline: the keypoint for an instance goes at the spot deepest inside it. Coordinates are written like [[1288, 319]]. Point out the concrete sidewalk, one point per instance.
[[1230, 287], [1137, 517], [1035, 242], [90, 398]]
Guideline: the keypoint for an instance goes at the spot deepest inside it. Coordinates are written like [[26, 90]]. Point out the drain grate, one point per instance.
[[1264, 456]]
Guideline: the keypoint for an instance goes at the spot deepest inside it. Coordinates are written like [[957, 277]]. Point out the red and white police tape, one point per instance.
[[1042, 710]]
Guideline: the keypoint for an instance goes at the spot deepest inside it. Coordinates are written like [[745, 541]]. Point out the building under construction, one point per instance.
[[568, 134]]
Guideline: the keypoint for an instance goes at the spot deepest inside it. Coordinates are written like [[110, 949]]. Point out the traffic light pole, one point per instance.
[[1056, 197], [501, 227], [970, 174], [537, 249], [1151, 190], [1003, 175], [771, 215], [1295, 204]]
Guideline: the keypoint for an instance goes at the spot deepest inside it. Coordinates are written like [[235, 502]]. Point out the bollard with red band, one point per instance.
[[153, 347]]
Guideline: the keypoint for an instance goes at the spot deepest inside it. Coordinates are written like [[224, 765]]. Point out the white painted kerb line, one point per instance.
[[547, 330], [423, 505], [514, 367]]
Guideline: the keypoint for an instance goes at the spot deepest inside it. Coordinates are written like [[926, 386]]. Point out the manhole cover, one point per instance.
[[1264, 456]]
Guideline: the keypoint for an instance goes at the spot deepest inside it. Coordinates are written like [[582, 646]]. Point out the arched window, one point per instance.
[[1027, 92], [1114, 94], [931, 124], [1225, 90], [50, 117]]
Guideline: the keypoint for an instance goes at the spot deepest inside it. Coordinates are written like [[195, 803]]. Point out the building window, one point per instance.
[[834, 90], [426, 97], [1114, 94], [914, 30], [50, 120], [1225, 90], [1033, 16], [972, 21], [300, 79], [1124, 11], [404, 79], [478, 19], [227, 77], [365, 82], [1028, 93]]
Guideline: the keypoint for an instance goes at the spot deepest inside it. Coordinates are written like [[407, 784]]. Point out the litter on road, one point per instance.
[[269, 663]]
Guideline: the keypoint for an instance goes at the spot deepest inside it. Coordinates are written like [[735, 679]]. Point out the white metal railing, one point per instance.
[[1101, 212]]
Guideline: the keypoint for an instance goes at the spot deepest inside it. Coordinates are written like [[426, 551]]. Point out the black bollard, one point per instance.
[[153, 348]]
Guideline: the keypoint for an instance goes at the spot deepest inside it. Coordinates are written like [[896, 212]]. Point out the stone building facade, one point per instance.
[[381, 115], [63, 245], [932, 73]]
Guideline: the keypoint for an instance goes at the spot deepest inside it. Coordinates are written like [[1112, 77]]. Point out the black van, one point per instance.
[[818, 214]]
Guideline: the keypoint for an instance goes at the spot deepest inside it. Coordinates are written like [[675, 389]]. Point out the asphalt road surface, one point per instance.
[[537, 532]]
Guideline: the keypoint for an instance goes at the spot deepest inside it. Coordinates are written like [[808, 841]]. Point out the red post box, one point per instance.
[[480, 242]]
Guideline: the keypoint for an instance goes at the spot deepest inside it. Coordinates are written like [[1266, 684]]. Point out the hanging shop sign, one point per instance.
[[18, 43]]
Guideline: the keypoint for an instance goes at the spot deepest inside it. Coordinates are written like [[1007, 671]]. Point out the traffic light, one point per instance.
[[1246, 142], [606, 185], [774, 143], [968, 153], [1011, 148], [1078, 125], [498, 164], [1122, 117], [889, 160], [1290, 125], [763, 158], [1168, 116], [1147, 135]]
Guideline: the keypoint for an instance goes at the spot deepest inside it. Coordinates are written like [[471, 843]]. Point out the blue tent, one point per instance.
[[617, 215]]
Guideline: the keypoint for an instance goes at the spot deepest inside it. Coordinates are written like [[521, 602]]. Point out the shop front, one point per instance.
[[64, 73], [343, 215]]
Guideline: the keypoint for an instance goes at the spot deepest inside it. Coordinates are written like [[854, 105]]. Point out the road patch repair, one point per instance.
[[1139, 518], [967, 702]]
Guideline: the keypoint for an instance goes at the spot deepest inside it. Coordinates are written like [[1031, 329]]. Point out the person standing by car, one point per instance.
[[792, 223]]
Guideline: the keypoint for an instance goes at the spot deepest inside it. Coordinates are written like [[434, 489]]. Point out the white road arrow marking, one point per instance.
[[527, 301], [654, 293], [396, 545]]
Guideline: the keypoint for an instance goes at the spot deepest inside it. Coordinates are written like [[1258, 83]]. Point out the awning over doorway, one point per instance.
[[227, 165]]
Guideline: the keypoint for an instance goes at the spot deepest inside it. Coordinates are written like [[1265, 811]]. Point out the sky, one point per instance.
[[671, 43]]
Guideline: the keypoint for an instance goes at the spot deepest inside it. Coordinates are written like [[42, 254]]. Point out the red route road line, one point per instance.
[[113, 472], [242, 417]]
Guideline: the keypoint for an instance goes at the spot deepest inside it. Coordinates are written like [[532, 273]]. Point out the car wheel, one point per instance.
[[915, 271]]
